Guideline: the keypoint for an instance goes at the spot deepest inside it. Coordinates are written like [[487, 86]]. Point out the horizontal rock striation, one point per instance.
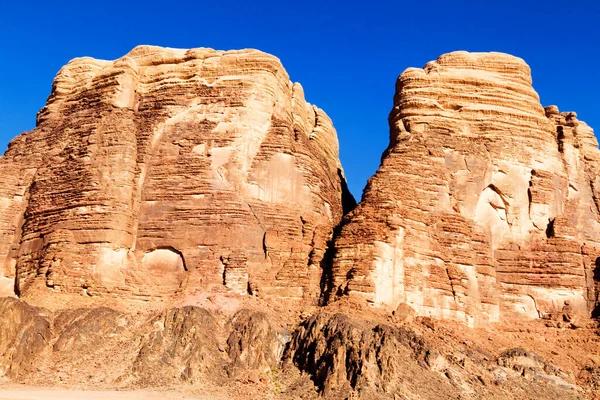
[[171, 171], [485, 204]]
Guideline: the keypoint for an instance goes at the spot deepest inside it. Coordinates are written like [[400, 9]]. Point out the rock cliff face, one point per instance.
[[203, 180], [485, 204], [171, 171]]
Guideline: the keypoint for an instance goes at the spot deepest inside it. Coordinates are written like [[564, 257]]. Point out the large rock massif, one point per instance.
[[176, 220], [485, 205], [171, 171]]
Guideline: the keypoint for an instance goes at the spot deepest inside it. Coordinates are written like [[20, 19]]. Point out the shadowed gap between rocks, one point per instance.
[[596, 277], [348, 205], [348, 201]]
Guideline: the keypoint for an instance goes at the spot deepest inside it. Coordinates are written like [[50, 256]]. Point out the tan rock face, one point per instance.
[[171, 170], [485, 204]]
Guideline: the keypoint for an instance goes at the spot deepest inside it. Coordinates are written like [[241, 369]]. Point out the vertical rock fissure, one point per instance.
[[19, 235], [560, 137], [596, 289], [348, 201], [451, 282], [327, 278]]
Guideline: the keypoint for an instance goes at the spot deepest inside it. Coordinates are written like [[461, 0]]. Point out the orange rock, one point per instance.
[[171, 170], [485, 204]]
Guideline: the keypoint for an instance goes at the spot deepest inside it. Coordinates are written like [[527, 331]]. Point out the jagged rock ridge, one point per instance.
[[329, 355], [485, 204], [171, 171]]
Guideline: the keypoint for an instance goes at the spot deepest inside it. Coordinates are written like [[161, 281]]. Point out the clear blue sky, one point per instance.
[[346, 54]]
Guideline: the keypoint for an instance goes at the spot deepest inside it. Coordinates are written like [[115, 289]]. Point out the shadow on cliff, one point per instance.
[[348, 200], [348, 205], [596, 310]]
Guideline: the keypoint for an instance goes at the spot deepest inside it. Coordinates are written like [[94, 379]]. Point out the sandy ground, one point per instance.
[[59, 394]]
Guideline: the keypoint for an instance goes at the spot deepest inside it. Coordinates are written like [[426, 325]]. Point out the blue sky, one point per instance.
[[346, 54]]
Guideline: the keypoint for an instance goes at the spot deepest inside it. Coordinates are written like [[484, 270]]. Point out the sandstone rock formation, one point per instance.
[[101, 346], [171, 171], [203, 179], [485, 204]]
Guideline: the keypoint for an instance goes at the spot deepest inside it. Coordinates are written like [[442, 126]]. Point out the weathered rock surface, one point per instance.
[[24, 336], [102, 346], [171, 171], [344, 354], [485, 205], [349, 357], [254, 346], [86, 328], [183, 346], [241, 356]]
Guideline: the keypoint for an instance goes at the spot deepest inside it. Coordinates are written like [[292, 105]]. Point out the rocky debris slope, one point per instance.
[[374, 360], [256, 354], [102, 346], [485, 206], [24, 336], [171, 171]]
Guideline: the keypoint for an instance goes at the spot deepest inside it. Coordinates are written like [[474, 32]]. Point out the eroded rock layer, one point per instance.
[[171, 171], [485, 204]]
